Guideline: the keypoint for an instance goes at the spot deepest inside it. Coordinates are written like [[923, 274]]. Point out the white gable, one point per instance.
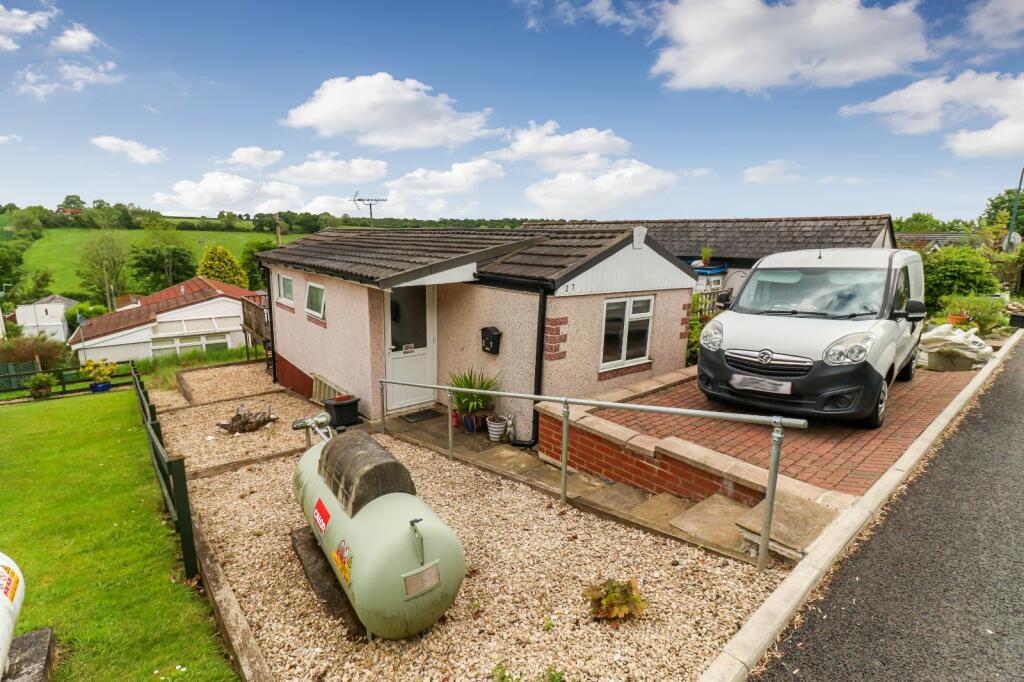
[[628, 269]]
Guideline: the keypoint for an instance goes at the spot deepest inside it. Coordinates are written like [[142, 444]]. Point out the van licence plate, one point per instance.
[[745, 382]]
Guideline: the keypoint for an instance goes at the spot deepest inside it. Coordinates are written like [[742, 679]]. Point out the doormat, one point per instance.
[[421, 415]]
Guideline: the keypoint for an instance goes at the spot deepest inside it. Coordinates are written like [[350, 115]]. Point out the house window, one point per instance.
[[284, 289], [315, 300], [180, 345], [627, 331]]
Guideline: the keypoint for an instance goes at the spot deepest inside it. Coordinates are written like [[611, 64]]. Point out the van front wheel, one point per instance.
[[877, 416]]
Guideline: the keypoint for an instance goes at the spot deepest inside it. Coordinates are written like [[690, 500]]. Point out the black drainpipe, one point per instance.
[[270, 321]]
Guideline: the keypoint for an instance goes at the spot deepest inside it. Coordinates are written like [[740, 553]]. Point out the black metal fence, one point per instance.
[[69, 379], [170, 474]]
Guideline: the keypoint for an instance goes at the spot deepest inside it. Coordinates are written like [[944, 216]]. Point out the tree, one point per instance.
[[11, 264], [957, 270], [1000, 202], [100, 203], [251, 265], [994, 232], [10, 207], [158, 267], [103, 267], [72, 201], [86, 310], [918, 222], [219, 264], [36, 286]]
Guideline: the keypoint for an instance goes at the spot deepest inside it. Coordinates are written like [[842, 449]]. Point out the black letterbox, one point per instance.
[[490, 340]]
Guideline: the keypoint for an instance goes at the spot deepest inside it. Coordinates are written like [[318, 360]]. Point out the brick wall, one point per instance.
[[684, 333], [555, 337], [659, 473]]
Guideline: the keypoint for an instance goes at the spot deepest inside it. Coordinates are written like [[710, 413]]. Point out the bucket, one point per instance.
[[344, 410], [496, 428]]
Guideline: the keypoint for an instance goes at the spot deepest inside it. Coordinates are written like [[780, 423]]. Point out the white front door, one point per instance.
[[411, 336]]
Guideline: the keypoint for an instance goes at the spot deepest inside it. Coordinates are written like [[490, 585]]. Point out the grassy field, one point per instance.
[[82, 517], [59, 249], [178, 220]]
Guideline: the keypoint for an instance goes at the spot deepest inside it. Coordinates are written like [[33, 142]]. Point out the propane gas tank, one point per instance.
[[12, 594], [400, 565]]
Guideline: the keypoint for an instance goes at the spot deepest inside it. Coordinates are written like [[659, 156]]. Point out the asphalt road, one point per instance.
[[937, 592]]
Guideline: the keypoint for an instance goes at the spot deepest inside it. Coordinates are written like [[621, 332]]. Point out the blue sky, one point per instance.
[[557, 108]]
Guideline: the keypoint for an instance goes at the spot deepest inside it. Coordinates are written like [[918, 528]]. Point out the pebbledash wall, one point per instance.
[[669, 465], [574, 336]]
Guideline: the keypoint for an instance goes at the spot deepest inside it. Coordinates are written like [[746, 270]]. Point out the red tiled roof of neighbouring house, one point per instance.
[[189, 292]]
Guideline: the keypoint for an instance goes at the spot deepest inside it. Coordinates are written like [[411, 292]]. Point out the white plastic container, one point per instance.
[[12, 594]]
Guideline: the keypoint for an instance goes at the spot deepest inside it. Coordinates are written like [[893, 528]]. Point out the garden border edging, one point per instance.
[[746, 648]]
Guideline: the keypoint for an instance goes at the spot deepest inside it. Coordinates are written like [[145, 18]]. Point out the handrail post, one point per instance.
[[769, 495], [383, 406], [565, 447], [451, 429]]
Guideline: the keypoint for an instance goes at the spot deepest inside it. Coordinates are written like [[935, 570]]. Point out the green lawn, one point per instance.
[[60, 249], [178, 220], [82, 517]]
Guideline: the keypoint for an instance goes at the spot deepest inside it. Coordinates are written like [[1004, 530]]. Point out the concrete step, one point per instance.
[[616, 498], [550, 478], [796, 523], [659, 511], [712, 523]]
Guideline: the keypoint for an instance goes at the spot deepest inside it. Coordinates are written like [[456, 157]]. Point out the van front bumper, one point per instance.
[[837, 392]]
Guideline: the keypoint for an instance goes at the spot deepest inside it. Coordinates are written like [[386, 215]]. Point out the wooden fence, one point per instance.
[[170, 474], [67, 378], [705, 307]]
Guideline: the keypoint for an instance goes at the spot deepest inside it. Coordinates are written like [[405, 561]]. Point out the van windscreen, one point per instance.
[[813, 292]]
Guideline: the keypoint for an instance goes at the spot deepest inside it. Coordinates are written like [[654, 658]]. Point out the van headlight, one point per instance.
[[711, 336], [850, 349]]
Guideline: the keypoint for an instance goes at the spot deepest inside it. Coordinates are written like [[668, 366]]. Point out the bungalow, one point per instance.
[[45, 316], [573, 311], [737, 243], [197, 314]]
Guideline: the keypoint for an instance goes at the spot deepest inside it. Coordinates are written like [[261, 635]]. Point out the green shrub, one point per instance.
[[468, 403], [985, 311], [615, 599], [500, 673], [39, 380], [552, 675], [957, 270], [27, 348], [219, 264]]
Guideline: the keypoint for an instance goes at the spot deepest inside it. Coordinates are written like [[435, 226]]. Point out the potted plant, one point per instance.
[[496, 425], [705, 255], [99, 372], [40, 385], [469, 406]]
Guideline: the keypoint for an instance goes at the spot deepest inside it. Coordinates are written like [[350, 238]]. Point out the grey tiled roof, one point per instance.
[[747, 238], [916, 239]]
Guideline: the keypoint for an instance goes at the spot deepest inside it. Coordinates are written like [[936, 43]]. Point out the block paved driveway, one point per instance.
[[935, 593], [830, 455]]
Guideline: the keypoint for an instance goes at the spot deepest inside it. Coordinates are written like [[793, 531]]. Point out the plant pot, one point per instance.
[[469, 423], [100, 387], [40, 393], [344, 411], [958, 319], [496, 428], [456, 419]]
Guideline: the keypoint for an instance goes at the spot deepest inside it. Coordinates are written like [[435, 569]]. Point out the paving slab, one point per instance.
[[618, 497], [660, 510], [712, 522], [550, 478], [31, 657], [507, 458], [796, 523]]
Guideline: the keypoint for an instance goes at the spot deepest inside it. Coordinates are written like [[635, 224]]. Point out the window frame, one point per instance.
[[629, 316], [178, 347], [322, 313], [280, 289], [902, 278]]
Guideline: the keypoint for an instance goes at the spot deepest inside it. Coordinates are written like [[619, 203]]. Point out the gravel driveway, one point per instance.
[[529, 558], [935, 592]]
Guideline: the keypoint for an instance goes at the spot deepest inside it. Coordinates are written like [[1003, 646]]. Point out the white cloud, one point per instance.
[[851, 180], [253, 157], [329, 204], [696, 173], [77, 38], [997, 23], [630, 17], [422, 192], [381, 111], [582, 149], [750, 45], [577, 193], [945, 174], [21, 22], [150, 108], [213, 192], [930, 104], [282, 197], [772, 172], [323, 168], [41, 81], [135, 151], [4, 139]]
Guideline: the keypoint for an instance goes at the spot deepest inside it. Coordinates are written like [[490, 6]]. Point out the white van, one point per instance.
[[819, 333]]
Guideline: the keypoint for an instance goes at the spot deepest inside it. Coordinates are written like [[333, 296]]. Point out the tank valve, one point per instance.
[[418, 539]]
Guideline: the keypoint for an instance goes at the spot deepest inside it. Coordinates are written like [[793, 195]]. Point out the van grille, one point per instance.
[[779, 365]]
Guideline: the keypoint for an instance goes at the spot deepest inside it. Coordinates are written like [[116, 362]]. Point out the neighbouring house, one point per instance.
[[199, 314], [45, 316], [127, 301], [577, 310], [737, 243], [927, 242]]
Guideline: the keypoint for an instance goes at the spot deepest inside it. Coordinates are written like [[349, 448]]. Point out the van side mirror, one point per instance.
[[916, 311], [723, 300]]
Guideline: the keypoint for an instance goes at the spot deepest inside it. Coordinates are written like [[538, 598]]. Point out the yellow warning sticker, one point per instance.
[[8, 582], [343, 560]]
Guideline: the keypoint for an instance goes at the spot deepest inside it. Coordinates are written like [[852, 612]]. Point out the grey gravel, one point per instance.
[[935, 592]]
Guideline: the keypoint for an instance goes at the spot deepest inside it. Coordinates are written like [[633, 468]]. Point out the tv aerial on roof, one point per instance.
[[369, 202]]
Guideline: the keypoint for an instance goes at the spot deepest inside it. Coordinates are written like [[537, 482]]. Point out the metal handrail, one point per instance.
[[777, 423]]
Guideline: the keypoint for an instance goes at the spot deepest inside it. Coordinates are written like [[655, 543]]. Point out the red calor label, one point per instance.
[[321, 516]]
